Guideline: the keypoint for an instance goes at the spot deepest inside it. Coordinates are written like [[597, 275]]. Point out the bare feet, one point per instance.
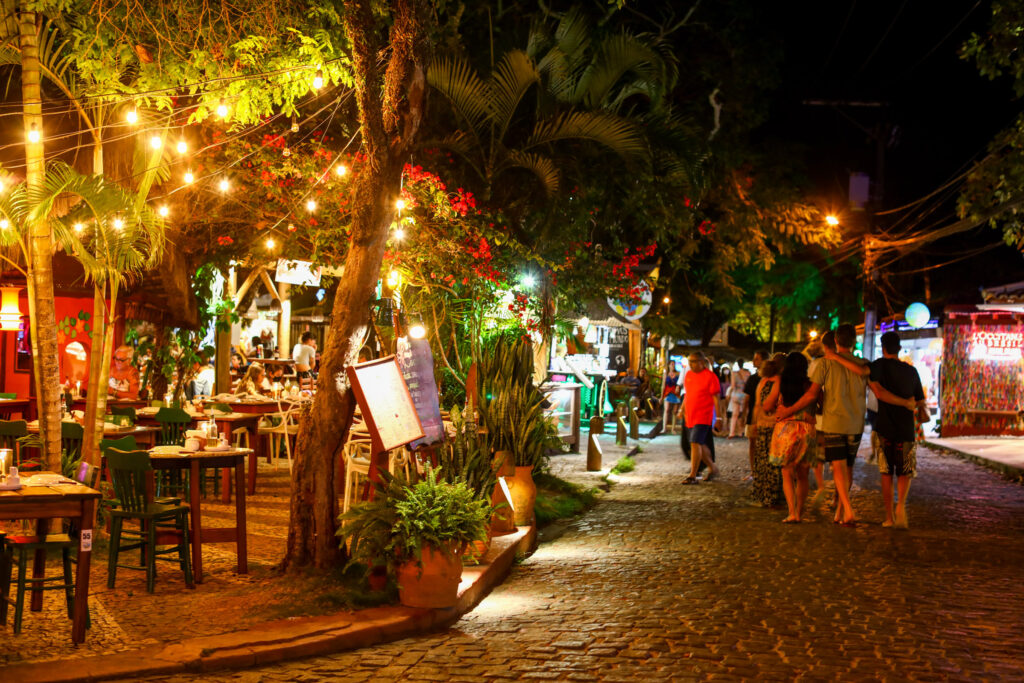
[[887, 523], [901, 518], [791, 520]]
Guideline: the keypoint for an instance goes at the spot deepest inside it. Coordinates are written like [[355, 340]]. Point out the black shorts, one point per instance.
[[841, 447]]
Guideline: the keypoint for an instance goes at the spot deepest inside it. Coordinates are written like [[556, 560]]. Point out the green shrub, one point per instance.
[[625, 464]]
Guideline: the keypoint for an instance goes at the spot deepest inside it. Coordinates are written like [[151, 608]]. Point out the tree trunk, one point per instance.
[[771, 327], [40, 247], [390, 111], [93, 415]]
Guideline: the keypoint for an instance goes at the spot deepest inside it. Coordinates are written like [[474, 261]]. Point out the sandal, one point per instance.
[[690, 480]]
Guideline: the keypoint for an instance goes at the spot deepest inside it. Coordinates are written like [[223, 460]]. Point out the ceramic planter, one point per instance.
[[436, 583], [524, 495], [502, 519]]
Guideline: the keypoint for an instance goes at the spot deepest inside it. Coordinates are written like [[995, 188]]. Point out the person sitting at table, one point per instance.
[[124, 377], [304, 355], [254, 382], [202, 383]]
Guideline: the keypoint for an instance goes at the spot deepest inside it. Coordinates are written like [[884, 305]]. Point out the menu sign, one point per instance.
[[417, 364], [386, 403], [997, 346]]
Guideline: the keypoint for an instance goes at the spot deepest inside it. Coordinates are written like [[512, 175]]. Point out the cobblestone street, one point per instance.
[[662, 581]]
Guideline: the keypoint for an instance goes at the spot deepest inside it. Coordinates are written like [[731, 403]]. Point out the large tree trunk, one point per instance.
[[40, 247], [390, 111]]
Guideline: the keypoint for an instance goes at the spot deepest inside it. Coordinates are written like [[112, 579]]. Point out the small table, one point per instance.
[[193, 462], [44, 503], [21, 406], [145, 435], [80, 403]]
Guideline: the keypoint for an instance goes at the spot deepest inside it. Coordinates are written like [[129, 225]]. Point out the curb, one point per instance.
[[276, 641], [994, 465]]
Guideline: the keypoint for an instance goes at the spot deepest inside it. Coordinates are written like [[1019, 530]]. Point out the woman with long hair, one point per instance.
[[767, 488], [794, 440], [737, 401], [253, 382], [670, 392]]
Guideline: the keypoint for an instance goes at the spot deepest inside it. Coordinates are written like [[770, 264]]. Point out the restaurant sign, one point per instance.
[[997, 346], [297, 273]]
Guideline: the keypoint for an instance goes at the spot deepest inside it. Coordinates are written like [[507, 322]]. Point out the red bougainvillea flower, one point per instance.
[[225, 240]]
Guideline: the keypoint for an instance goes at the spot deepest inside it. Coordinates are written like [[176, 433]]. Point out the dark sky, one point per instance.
[[903, 54]]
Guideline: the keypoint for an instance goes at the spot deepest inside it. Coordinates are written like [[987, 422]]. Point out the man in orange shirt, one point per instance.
[[124, 377], [701, 400]]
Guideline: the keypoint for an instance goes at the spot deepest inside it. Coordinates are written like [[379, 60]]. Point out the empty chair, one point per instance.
[[10, 432], [124, 411], [71, 434]]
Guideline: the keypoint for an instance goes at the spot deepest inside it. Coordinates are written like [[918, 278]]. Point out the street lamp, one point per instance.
[[832, 220], [813, 335]]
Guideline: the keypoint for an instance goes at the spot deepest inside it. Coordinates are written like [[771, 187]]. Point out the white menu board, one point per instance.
[[387, 407]]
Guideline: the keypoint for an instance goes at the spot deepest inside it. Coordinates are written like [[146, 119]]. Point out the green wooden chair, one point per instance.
[[24, 547], [10, 432], [157, 522], [173, 423], [6, 414], [124, 411], [71, 435]]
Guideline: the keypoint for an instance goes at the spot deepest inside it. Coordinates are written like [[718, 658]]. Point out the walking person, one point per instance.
[[815, 352], [670, 392], [767, 486], [895, 444], [750, 389], [737, 401], [793, 439], [701, 398], [842, 417]]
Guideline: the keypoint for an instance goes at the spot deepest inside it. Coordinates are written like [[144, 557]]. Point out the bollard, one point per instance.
[[597, 425], [593, 454], [634, 425], [620, 432]]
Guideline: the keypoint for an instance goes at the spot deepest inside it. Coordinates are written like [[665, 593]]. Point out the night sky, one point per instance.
[[943, 113]]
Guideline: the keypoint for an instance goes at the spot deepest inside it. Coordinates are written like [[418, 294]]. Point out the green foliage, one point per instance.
[[467, 459], [625, 464], [559, 499]]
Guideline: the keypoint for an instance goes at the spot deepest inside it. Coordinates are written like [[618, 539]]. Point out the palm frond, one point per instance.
[[614, 132], [573, 36], [617, 56], [513, 76], [542, 167], [467, 93]]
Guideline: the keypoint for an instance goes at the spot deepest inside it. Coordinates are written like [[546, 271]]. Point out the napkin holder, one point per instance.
[[11, 482]]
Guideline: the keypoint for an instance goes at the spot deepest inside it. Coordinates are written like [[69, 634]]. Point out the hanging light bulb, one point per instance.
[[78, 228], [291, 227], [4, 224], [132, 116], [311, 205], [393, 279], [222, 110], [400, 204], [189, 177], [118, 224], [270, 243], [34, 135], [295, 125], [399, 233], [287, 152], [318, 81], [164, 211], [156, 142], [224, 185], [341, 169], [182, 146], [417, 332]]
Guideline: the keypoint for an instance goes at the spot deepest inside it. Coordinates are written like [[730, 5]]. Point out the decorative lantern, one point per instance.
[[917, 314], [10, 314]]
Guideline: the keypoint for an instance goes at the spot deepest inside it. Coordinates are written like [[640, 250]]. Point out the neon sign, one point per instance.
[[997, 346]]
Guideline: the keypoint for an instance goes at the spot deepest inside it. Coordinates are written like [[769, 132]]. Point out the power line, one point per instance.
[[882, 39]]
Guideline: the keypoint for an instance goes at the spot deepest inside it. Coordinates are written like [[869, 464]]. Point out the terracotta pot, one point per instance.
[[505, 463], [524, 495], [476, 551], [378, 578], [502, 519], [436, 583]]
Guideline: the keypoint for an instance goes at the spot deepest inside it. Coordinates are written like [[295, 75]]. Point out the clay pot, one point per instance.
[[505, 463], [378, 578], [502, 519], [476, 550], [524, 495], [436, 583]]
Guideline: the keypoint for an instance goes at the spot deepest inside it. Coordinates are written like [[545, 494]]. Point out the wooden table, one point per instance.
[[145, 435], [193, 462], [79, 403], [43, 503], [22, 406]]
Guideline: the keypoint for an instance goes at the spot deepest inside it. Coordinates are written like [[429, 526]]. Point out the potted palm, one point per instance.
[[420, 530]]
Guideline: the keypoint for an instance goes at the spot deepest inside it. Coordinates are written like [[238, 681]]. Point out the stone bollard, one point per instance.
[[620, 431], [594, 454], [597, 425], [634, 425]]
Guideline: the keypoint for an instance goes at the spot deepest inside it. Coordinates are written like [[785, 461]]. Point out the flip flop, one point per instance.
[[690, 480]]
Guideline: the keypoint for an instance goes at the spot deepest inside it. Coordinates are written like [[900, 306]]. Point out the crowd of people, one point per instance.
[[802, 411]]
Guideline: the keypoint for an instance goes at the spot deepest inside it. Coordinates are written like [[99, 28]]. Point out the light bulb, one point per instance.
[[4, 224], [270, 243], [311, 206], [1, 186], [529, 281], [393, 279], [291, 227], [666, 300], [400, 204], [79, 228], [182, 147], [341, 169], [318, 81], [155, 142], [222, 110], [417, 332], [34, 135], [224, 185], [118, 224], [399, 233], [831, 220], [132, 116], [189, 177], [295, 125], [164, 211]]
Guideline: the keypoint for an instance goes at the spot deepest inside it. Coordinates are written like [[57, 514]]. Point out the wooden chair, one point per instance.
[[10, 432], [282, 430], [173, 423], [71, 435], [157, 522], [126, 411]]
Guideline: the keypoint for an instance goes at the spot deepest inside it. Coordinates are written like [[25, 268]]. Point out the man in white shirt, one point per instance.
[[304, 355]]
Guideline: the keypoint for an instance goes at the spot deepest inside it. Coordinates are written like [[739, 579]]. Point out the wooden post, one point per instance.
[[620, 422], [597, 425], [593, 453], [634, 424], [284, 321]]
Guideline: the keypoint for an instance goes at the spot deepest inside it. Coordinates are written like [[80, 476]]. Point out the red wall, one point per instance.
[[73, 315]]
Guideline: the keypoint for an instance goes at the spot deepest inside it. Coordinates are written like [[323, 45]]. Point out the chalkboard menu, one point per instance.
[[386, 403], [417, 364], [618, 349]]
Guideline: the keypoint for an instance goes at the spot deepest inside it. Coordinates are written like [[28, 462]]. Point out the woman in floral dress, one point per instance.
[[767, 489], [794, 441]]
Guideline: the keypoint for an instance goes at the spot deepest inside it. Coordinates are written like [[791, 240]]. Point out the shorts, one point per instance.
[[897, 458], [841, 447], [700, 434]]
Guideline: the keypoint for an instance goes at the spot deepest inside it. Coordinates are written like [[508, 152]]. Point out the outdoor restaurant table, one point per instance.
[[145, 435], [226, 423], [43, 503], [193, 461], [16, 405], [79, 403]]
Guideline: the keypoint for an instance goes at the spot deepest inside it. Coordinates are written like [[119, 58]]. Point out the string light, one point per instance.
[[311, 206], [417, 332], [295, 125], [529, 281], [291, 227], [341, 169], [399, 233], [318, 81], [222, 110], [393, 279], [34, 135], [156, 142], [224, 185], [4, 224], [287, 152], [164, 211], [400, 204], [182, 146], [189, 177], [270, 243], [132, 116], [118, 224], [79, 228]]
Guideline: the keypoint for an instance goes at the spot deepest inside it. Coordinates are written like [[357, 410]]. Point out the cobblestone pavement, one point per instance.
[[669, 582]]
